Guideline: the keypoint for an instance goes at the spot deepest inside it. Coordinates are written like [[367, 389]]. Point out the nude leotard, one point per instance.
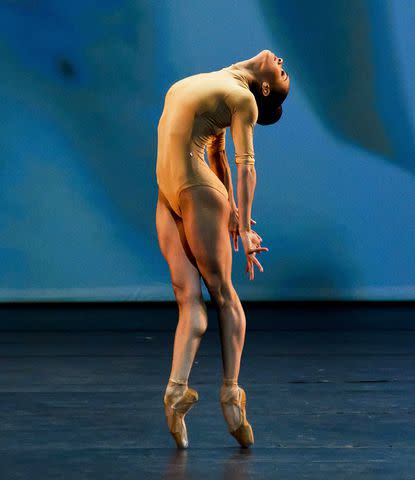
[[197, 110]]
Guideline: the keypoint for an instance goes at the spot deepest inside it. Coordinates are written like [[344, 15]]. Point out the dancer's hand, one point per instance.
[[234, 226], [251, 242]]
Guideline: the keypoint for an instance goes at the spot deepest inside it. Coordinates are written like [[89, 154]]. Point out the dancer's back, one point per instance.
[[198, 109]]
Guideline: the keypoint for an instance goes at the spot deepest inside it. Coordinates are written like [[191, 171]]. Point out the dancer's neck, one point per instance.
[[250, 69]]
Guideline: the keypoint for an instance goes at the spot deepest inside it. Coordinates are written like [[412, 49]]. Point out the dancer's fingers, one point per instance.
[[249, 266], [259, 250], [235, 241], [256, 261]]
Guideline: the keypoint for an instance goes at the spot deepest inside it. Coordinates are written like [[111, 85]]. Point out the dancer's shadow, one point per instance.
[[235, 467], [176, 466]]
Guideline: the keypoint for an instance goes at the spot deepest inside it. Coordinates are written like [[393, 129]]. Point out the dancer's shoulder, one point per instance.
[[240, 99]]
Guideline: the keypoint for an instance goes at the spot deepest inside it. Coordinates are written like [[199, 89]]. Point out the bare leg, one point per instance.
[[205, 218], [205, 214], [179, 397], [232, 325], [186, 285]]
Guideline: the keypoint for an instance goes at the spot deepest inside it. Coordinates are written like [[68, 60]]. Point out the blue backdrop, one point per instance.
[[82, 88]]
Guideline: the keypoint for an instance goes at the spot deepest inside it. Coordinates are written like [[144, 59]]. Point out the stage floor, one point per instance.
[[323, 404]]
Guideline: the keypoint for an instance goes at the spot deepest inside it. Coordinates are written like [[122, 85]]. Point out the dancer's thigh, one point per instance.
[[205, 214], [175, 249]]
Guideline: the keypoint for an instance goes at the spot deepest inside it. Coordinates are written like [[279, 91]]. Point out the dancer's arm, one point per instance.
[[244, 117], [218, 162], [245, 191]]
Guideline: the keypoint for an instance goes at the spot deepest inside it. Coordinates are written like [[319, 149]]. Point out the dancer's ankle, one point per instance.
[[175, 389], [229, 382], [176, 381]]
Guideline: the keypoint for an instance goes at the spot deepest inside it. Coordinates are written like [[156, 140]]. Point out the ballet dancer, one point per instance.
[[196, 212]]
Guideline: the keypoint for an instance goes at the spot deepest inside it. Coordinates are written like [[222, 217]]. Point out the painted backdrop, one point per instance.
[[82, 86]]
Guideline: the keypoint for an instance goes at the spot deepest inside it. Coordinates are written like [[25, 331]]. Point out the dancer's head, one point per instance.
[[270, 85]]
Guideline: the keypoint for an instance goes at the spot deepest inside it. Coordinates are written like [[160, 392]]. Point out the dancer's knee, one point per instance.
[[221, 291], [192, 305], [187, 295]]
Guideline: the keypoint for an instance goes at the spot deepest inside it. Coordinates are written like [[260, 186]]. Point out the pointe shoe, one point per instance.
[[243, 433], [175, 411]]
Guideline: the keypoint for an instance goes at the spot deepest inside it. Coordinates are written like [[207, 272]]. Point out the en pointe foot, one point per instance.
[[177, 402], [233, 404]]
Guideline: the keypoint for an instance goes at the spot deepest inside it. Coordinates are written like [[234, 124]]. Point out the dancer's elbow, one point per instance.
[[245, 169]]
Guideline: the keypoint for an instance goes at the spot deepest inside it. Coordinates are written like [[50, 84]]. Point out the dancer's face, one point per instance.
[[273, 72]]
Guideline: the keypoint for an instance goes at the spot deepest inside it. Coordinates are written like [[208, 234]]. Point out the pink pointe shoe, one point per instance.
[[175, 409], [233, 402]]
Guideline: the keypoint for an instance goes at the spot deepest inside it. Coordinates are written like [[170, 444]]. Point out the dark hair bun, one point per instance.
[[269, 107], [268, 116]]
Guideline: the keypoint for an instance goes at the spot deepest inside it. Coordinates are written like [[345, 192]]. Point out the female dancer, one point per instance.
[[196, 210]]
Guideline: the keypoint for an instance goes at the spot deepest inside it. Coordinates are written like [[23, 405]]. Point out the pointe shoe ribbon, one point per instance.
[[243, 434], [175, 412]]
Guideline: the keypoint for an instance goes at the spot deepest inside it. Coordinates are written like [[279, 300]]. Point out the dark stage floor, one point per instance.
[[323, 405]]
